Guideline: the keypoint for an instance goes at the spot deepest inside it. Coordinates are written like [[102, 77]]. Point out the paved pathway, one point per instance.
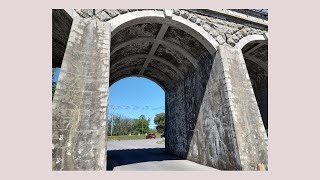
[[146, 155]]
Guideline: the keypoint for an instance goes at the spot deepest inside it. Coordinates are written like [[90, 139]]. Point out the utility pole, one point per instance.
[[112, 119], [111, 123]]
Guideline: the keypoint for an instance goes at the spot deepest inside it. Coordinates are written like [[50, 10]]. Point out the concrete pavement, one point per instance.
[[146, 155]]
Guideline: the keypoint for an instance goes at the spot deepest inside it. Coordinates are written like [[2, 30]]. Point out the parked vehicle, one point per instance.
[[150, 136], [162, 135]]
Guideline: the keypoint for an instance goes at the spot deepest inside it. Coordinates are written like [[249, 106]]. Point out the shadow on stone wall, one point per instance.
[[61, 26], [199, 126]]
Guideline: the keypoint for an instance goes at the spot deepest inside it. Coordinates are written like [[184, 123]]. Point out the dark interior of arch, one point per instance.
[[256, 59], [61, 25]]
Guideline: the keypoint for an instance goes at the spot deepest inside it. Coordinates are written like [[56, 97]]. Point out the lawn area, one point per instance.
[[132, 137]]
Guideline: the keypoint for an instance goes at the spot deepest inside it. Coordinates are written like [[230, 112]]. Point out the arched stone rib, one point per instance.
[[127, 43], [181, 50], [124, 69], [162, 60], [154, 47], [260, 63], [126, 20], [253, 48], [162, 74], [135, 56], [250, 38], [163, 87]]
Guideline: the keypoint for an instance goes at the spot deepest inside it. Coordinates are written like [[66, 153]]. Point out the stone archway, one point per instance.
[[173, 55], [212, 116], [255, 54]]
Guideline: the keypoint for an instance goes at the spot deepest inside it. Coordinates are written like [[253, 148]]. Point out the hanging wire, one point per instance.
[[135, 107]]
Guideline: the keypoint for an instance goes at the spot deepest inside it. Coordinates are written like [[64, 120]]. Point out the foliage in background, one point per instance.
[[159, 120], [121, 125], [132, 137], [154, 131], [125, 126], [141, 125]]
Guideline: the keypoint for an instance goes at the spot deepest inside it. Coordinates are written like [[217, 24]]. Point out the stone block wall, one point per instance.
[[251, 136], [209, 113], [80, 103], [176, 139], [214, 142], [207, 125], [212, 116]]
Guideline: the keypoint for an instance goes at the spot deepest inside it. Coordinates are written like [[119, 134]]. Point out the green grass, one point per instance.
[[132, 137]]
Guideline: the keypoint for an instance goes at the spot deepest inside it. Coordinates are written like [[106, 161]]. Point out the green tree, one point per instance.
[[124, 126], [141, 125], [121, 125], [159, 120], [153, 131], [116, 125]]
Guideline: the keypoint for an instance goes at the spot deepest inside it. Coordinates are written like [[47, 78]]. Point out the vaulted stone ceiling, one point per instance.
[[256, 58], [155, 50], [61, 25]]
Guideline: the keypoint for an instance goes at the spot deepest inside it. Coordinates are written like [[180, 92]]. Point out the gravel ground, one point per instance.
[[135, 144]]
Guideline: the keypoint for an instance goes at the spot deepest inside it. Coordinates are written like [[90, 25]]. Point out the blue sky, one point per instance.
[[56, 74], [134, 96]]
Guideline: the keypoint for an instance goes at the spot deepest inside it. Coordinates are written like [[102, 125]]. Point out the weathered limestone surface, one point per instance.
[[205, 129], [219, 27], [251, 136], [212, 115], [213, 142], [256, 59], [175, 128], [80, 101]]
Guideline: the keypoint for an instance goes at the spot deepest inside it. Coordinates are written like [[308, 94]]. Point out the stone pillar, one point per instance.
[[250, 133], [226, 130], [79, 112], [213, 140]]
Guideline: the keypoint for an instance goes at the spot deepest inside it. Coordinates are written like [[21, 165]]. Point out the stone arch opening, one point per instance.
[[133, 100], [143, 87], [213, 118], [255, 54], [175, 56]]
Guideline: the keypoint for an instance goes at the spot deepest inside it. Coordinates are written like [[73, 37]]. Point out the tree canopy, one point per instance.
[[159, 120], [124, 126]]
